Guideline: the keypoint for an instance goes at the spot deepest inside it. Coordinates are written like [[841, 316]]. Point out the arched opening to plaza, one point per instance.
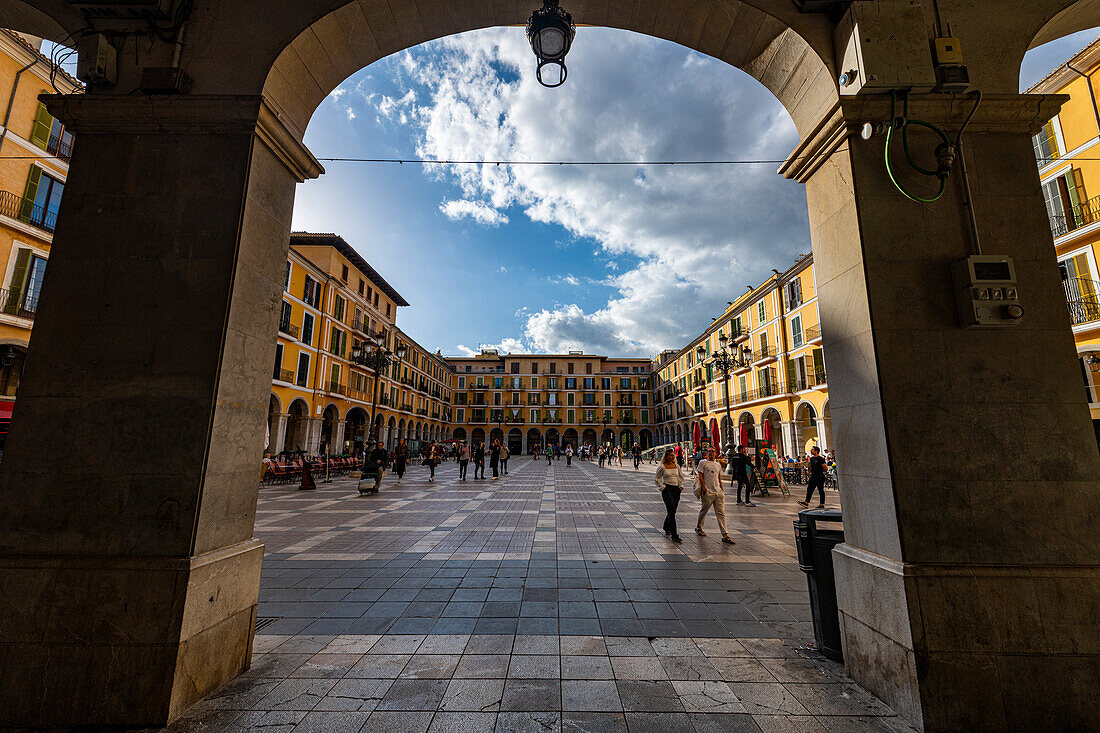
[[920, 404]]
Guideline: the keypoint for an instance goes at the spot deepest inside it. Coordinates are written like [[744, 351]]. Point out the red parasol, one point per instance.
[[743, 433], [695, 435], [767, 428], [715, 438]]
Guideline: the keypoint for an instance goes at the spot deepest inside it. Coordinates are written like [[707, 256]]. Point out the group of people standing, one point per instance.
[[710, 491], [498, 459]]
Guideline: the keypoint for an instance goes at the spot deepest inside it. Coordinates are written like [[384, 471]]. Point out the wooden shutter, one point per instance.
[[34, 178], [792, 377], [18, 281], [819, 365], [43, 123]]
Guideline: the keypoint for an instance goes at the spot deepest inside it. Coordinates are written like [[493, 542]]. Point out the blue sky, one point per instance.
[[620, 261]]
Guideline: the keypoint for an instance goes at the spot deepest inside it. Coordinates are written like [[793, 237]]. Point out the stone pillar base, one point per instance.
[[973, 647], [79, 636]]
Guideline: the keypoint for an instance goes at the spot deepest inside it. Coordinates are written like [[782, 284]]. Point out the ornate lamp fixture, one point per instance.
[[7, 357], [551, 31]]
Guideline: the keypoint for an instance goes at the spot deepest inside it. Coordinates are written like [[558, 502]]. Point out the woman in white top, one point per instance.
[[670, 479]]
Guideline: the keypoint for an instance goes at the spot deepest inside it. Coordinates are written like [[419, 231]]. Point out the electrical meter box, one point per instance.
[[880, 51], [985, 288], [124, 9]]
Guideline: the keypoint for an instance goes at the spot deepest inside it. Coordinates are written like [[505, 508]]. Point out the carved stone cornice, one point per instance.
[[1023, 113], [214, 114]]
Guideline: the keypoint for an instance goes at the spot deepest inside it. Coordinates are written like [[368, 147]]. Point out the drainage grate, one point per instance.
[[263, 623]]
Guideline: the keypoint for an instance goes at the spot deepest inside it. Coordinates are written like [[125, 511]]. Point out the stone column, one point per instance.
[[969, 583], [278, 438], [338, 439], [790, 430], [128, 487]]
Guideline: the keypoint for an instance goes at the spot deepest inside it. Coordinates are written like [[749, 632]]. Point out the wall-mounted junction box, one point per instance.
[[96, 60], [985, 289], [881, 52], [124, 9]]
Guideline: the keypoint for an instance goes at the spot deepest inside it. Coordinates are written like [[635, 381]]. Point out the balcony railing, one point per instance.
[[811, 334], [25, 211], [766, 390], [768, 352], [290, 330], [285, 375], [797, 383], [15, 303], [337, 388], [407, 407], [1079, 216], [60, 147], [1083, 298]]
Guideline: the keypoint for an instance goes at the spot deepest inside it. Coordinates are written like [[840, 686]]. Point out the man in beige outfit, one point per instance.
[[709, 477]]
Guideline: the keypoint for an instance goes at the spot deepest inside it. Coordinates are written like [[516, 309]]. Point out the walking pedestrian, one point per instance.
[[708, 484], [549, 454], [670, 479], [432, 460], [463, 460], [494, 459], [569, 454], [479, 460], [742, 473], [400, 459], [504, 453], [637, 451], [376, 462], [817, 478], [680, 455]]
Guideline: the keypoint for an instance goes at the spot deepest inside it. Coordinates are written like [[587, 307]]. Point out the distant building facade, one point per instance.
[[34, 162]]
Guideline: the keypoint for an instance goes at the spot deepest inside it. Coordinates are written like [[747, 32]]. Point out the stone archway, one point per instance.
[[329, 418], [588, 437], [534, 439], [355, 431], [515, 441], [254, 93], [459, 434], [570, 438], [297, 426], [645, 439], [607, 437], [276, 426]]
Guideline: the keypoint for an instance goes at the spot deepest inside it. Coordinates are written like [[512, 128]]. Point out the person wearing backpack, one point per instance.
[[742, 474], [463, 460]]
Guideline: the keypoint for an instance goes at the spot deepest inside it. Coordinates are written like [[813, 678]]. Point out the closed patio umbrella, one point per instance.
[[695, 435], [715, 438]]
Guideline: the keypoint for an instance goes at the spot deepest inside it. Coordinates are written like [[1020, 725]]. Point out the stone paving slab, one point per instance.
[[549, 600]]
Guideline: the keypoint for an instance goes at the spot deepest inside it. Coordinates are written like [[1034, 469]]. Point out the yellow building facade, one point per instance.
[[320, 399], [1067, 152], [34, 161], [542, 400], [777, 394]]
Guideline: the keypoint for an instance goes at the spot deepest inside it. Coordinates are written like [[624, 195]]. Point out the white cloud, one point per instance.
[[680, 241], [506, 346], [479, 211]]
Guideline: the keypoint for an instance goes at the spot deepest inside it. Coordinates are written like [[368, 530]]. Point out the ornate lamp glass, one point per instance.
[[550, 31]]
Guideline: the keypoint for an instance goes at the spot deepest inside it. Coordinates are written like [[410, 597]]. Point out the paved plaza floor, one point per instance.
[[549, 600]]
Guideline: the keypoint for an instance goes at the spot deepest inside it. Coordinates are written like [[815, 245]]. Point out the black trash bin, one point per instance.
[[815, 558]]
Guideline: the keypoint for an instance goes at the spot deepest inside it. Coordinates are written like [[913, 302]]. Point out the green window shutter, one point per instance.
[[819, 365], [792, 381], [18, 281], [43, 123], [26, 211]]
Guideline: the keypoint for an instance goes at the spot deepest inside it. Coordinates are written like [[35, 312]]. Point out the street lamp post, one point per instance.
[[727, 362], [373, 355]]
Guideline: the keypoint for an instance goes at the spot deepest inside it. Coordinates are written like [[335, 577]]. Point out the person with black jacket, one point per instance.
[[479, 459], [817, 478], [742, 473], [494, 459], [376, 462], [400, 459]]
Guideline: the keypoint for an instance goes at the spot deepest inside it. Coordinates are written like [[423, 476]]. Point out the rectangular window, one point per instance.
[[551, 382], [1046, 145], [794, 293], [308, 290], [344, 273], [588, 368], [624, 383], [278, 374], [361, 284], [515, 367], [605, 383], [303, 370], [569, 416], [764, 344], [41, 199], [645, 416], [569, 368], [570, 398], [534, 415], [387, 310], [286, 278], [498, 383], [570, 382], [461, 413], [534, 367], [589, 383], [338, 308], [517, 383], [761, 312], [462, 382], [607, 398], [553, 367], [307, 329], [796, 332], [339, 341], [736, 326]]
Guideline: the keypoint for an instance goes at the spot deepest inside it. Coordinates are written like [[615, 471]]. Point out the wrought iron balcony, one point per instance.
[[285, 375], [797, 383], [1078, 216], [60, 147], [25, 211], [811, 334], [337, 388], [15, 303], [1083, 298], [290, 330], [765, 354]]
